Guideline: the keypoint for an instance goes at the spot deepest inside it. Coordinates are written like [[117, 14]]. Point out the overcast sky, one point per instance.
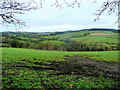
[[50, 19]]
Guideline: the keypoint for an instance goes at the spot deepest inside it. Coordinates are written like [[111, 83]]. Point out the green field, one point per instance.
[[19, 53], [94, 39], [64, 41], [25, 38], [27, 68], [54, 42], [76, 34]]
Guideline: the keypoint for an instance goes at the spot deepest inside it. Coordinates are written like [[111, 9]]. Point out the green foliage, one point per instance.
[[27, 39], [101, 47], [71, 40], [52, 45], [55, 42], [15, 43]]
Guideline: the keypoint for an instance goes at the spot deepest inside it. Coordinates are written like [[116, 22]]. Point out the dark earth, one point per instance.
[[77, 65], [73, 65]]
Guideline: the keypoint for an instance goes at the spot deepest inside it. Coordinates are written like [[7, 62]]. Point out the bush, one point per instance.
[[15, 43]]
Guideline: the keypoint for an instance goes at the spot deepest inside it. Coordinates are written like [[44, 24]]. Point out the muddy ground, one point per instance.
[[85, 66], [81, 66], [77, 65]]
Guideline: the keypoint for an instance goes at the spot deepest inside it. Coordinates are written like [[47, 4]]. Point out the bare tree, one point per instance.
[[110, 6], [10, 8]]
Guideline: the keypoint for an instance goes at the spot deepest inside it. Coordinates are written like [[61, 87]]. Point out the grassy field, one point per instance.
[[25, 38], [95, 39], [77, 34], [19, 53], [27, 68], [54, 42]]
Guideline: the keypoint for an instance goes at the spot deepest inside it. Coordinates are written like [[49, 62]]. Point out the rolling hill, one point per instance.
[[64, 40]]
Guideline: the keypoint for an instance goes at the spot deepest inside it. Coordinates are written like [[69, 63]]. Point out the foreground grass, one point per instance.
[[18, 53], [25, 68]]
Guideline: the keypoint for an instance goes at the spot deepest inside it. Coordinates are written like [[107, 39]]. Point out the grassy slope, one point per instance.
[[25, 38], [79, 36], [76, 34], [94, 39], [55, 42]]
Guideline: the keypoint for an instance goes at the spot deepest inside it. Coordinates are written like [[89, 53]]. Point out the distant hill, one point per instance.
[[102, 29], [85, 39], [92, 29]]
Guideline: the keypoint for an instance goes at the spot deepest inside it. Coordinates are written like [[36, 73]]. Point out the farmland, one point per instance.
[[26, 68], [56, 42], [51, 55], [87, 40], [83, 59], [95, 39]]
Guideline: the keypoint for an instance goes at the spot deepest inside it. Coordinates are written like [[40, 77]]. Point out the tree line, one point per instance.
[[70, 45]]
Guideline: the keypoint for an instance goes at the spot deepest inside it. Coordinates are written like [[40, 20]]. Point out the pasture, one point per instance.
[[98, 38], [54, 42]]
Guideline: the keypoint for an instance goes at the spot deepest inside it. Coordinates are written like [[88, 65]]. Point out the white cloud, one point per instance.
[[50, 28], [50, 18]]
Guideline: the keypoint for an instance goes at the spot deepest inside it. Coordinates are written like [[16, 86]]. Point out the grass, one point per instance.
[[25, 38], [19, 53], [69, 35], [79, 36], [55, 42], [27, 68], [75, 34], [95, 39]]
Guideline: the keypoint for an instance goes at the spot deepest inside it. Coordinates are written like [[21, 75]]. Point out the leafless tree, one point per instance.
[[10, 8], [110, 6]]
